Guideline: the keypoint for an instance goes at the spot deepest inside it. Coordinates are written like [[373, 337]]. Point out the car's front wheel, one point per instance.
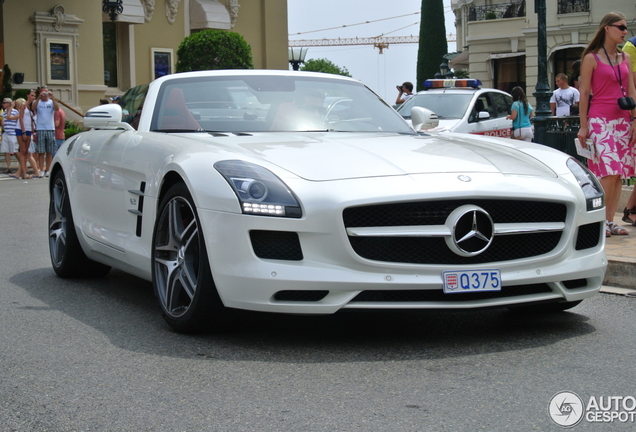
[[67, 257], [181, 274]]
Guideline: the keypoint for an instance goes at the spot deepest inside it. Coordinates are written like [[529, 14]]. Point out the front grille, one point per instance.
[[436, 212], [433, 250], [421, 296], [589, 235], [278, 245]]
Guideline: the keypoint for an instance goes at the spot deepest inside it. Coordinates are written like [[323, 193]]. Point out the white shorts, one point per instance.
[[524, 133], [9, 144]]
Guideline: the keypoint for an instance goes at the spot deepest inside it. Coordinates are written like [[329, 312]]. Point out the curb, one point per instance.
[[620, 274]]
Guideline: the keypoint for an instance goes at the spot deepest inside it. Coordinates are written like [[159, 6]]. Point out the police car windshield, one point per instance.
[[445, 105]]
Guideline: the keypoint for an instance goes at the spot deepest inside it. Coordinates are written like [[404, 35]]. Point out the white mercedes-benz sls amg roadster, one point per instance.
[[306, 193]]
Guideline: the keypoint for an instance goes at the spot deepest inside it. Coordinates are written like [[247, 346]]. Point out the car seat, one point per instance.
[[175, 113]]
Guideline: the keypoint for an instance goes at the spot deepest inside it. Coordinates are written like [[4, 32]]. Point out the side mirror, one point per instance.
[[483, 115], [106, 116], [423, 118]]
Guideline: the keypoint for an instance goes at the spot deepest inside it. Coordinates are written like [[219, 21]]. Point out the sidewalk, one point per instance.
[[620, 250], [621, 256]]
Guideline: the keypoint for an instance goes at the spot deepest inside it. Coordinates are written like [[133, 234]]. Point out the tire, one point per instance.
[[181, 275], [546, 308], [67, 257]]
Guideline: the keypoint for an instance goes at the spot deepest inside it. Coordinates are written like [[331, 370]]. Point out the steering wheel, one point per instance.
[[331, 107]]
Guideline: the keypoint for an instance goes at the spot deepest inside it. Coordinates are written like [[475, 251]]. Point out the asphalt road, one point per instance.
[[95, 355]]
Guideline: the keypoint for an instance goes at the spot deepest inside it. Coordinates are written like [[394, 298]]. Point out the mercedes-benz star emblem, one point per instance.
[[472, 230]]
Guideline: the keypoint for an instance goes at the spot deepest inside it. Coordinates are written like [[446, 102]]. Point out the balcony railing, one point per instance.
[[499, 11], [573, 6]]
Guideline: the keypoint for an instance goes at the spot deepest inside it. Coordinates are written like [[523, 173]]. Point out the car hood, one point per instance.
[[332, 156]]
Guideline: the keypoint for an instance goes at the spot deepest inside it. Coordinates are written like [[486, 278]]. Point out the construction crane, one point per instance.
[[379, 42]]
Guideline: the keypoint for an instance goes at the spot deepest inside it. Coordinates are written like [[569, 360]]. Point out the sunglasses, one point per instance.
[[620, 27]]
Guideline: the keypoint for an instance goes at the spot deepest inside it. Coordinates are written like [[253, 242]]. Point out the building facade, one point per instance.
[[499, 40], [75, 49]]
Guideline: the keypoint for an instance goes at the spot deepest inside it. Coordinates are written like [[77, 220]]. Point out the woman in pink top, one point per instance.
[[606, 74]]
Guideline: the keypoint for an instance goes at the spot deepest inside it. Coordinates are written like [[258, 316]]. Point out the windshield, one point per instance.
[[258, 103], [445, 105]]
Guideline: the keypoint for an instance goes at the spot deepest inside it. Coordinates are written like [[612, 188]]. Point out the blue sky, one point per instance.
[[334, 19]]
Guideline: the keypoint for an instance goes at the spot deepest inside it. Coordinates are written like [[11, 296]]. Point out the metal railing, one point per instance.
[[499, 11], [572, 6], [560, 134]]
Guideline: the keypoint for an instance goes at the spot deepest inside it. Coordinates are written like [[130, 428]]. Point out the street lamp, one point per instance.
[[112, 8], [443, 69], [297, 56], [542, 89]]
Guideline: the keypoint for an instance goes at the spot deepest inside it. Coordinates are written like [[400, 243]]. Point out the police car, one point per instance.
[[463, 106]]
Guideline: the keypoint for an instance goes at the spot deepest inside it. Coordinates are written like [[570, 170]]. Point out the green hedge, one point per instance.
[[212, 50]]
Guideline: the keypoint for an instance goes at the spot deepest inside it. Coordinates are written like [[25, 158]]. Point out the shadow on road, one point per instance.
[[124, 309]]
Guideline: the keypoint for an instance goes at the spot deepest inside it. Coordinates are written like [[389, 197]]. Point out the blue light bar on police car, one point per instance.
[[451, 83]]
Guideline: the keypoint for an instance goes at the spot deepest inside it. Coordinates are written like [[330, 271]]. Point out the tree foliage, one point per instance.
[[433, 43], [460, 73], [214, 49], [325, 66]]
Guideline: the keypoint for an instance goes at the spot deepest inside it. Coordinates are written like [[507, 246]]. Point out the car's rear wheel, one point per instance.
[[181, 274], [67, 257]]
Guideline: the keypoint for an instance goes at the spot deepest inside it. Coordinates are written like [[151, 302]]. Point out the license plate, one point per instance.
[[471, 281]]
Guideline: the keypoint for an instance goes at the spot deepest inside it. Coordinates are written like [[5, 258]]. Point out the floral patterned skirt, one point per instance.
[[611, 139]]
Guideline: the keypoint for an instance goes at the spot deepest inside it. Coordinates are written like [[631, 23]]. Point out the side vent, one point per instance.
[[139, 197]]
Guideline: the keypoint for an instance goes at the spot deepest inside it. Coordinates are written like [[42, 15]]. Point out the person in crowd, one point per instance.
[[9, 141], [125, 115], [520, 113], [575, 76], [564, 97], [629, 212], [103, 102], [606, 73], [45, 107], [30, 101], [23, 133], [405, 92], [59, 120]]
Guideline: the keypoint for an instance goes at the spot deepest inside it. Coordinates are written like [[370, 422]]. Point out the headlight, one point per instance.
[[259, 191], [592, 189]]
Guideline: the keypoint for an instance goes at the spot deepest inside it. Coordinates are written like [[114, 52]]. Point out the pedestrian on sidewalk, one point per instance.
[[45, 107], [405, 92], [9, 144], [606, 73], [59, 119], [564, 97], [23, 134], [629, 212], [520, 113]]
